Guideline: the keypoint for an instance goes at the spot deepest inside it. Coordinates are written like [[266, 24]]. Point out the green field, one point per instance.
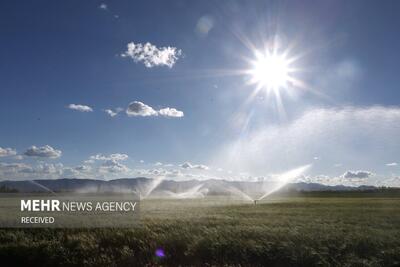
[[308, 230]]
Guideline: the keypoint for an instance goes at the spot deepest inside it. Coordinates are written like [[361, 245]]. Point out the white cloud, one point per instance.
[[89, 161], [322, 179], [201, 167], [158, 164], [188, 165], [25, 171], [50, 169], [152, 56], [357, 174], [81, 108], [43, 152], [113, 166], [170, 112], [9, 168], [107, 169], [357, 136], [110, 167], [113, 112], [391, 164], [137, 108], [83, 168], [6, 152], [116, 157], [393, 181], [152, 173]]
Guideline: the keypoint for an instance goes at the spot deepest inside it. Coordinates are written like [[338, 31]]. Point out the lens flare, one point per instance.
[[160, 253]]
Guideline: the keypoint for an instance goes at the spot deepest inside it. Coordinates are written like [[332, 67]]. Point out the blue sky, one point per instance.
[[343, 120]]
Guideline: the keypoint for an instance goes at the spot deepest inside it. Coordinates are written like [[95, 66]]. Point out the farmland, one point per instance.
[[302, 230]]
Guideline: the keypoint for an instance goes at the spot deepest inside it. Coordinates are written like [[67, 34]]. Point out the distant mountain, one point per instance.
[[75, 185], [156, 187]]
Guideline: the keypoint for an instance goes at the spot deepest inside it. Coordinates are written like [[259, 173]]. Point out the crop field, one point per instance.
[[306, 230]]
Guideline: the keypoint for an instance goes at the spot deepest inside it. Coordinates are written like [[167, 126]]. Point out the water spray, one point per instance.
[[195, 192], [284, 179], [148, 188], [42, 186]]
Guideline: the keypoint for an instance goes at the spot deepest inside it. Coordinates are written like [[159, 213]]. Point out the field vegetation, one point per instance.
[[303, 230]]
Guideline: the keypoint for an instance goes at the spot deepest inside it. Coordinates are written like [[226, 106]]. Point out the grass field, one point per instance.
[[312, 230]]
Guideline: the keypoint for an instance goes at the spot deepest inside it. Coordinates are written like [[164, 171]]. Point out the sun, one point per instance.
[[270, 71], [274, 73]]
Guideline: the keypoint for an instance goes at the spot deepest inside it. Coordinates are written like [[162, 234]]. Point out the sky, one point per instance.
[[111, 89]]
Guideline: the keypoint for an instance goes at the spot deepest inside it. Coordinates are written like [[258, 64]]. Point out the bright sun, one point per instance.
[[270, 71]]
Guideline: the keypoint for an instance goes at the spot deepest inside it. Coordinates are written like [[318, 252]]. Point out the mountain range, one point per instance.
[[172, 188]]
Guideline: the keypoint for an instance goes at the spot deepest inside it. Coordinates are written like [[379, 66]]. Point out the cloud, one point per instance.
[[22, 170], [391, 164], [393, 181], [357, 174], [103, 6], [51, 169], [159, 172], [169, 165], [349, 178], [170, 112], [81, 108], [188, 165], [107, 169], [6, 152], [100, 166], [116, 157], [113, 166], [113, 112], [152, 56], [89, 161], [338, 135], [10, 168], [43, 152], [321, 179], [137, 108], [83, 168], [201, 167]]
